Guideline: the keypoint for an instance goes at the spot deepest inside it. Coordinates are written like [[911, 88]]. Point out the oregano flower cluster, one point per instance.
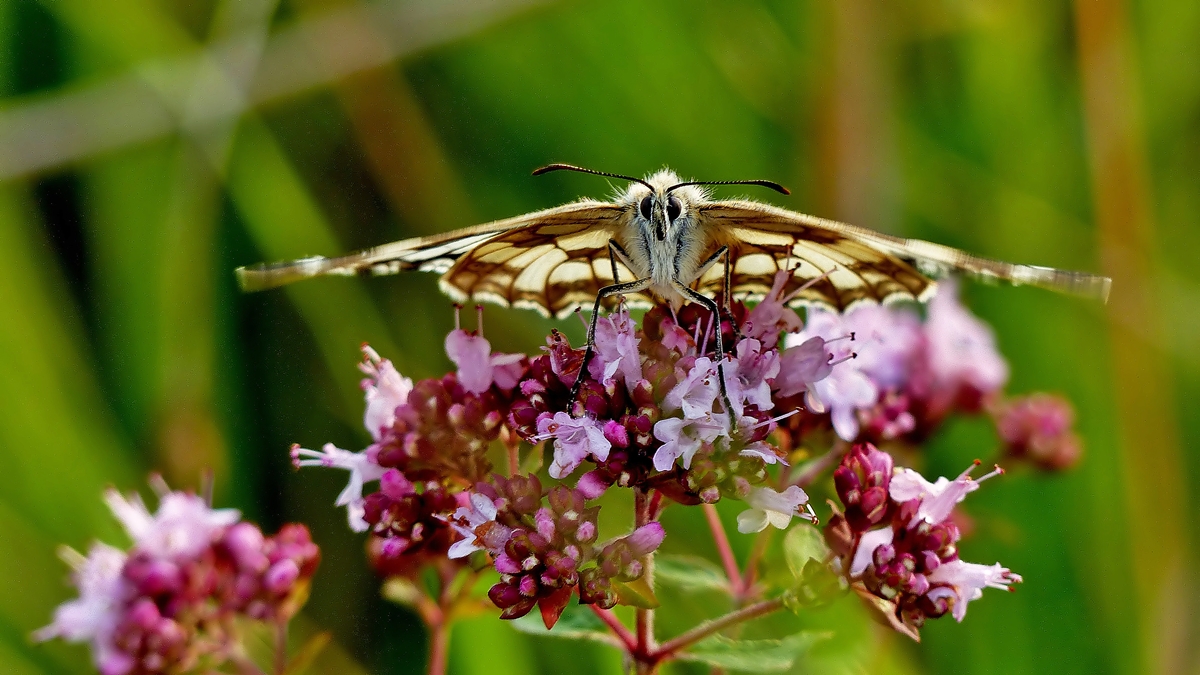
[[492, 476]]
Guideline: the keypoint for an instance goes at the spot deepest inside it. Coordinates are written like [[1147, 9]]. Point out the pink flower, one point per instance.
[[748, 374], [964, 582], [478, 368], [867, 544], [574, 440], [1038, 427], [937, 499], [467, 521], [800, 367], [94, 615], [684, 437], [696, 391], [887, 340], [961, 348], [362, 467], [182, 526], [616, 350], [846, 389], [768, 507], [385, 390], [646, 539], [772, 317]]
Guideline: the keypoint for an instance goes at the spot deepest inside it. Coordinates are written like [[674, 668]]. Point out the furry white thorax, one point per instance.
[[675, 258]]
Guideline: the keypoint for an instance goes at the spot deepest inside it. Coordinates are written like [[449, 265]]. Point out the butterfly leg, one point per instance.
[[606, 292], [615, 252], [711, 305], [727, 288]]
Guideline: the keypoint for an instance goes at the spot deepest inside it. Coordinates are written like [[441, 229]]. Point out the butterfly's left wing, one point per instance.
[[437, 253], [861, 265]]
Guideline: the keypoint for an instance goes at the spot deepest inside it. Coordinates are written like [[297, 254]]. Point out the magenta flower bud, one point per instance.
[[917, 584], [645, 539], [616, 434], [144, 615], [632, 570], [391, 547], [530, 387], [874, 504], [245, 543], [930, 561], [395, 485], [280, 578], [528, 586], [643, 394], [586, 532], [504, 595], [544, 521], [522, 413], [154, 576], [847, 485], [883, 555], [245, 587], [506, 565], [591, 485]]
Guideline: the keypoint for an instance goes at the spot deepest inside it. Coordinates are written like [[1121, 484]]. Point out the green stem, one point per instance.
[[721, 539], [687, 639]]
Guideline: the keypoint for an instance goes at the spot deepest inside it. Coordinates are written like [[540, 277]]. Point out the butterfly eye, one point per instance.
[[674, 208], [645, 207]]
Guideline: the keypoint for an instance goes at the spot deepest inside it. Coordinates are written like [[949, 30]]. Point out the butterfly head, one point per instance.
[[662, 202]]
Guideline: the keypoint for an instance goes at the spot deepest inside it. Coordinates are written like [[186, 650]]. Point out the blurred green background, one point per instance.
[[149, 147]]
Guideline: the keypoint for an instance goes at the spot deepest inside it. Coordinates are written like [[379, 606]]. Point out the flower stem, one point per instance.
[[439, 647], [756, 553], [644, 618], [724, 549], [691, 637], [614, 624], [281, 631]]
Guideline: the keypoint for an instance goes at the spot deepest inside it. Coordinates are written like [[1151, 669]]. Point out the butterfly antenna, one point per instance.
[[571, 167], [763, 183]]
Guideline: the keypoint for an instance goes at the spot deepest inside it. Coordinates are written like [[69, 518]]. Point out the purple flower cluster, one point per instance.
[[908, 375], [545, 553], [1038, 427], [171, 602], [647, 411], [896, 542]]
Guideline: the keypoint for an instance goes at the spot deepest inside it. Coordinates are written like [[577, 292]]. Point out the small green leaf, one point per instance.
[[690, 573], [307, 653], [635, 593], [401, 591], [534, 459], [751, 655], [803, 543], [578, 622]]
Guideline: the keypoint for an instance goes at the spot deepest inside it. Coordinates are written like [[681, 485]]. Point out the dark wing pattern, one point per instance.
[[437, 253], [554, 263], [862, 265]]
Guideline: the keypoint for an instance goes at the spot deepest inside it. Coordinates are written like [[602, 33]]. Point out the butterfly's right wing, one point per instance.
[[436, 253], [553, 264]]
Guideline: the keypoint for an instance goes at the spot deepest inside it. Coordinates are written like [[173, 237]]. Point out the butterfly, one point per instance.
[[666, 239]]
